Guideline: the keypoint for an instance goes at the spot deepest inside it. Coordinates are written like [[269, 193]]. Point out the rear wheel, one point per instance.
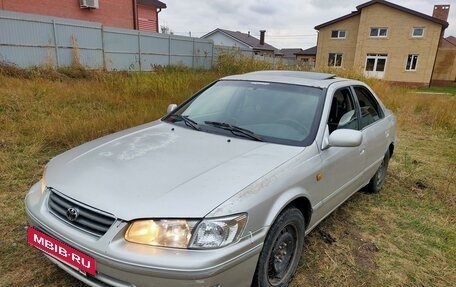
[[281, 251], [377, 181]]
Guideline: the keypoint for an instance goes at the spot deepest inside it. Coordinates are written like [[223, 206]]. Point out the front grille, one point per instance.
[[88, 219]]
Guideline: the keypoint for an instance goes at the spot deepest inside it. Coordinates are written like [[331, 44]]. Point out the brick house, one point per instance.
[[129, 14], [384, 40], [304, 58], [289, 53], [445, 63], [307, 57]]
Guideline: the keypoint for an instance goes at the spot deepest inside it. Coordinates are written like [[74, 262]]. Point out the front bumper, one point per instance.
[[122, 264]]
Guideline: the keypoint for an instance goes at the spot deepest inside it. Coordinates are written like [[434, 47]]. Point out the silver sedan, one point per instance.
[[219, 192]]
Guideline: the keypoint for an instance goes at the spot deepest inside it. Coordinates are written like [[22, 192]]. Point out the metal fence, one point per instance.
[[28, 40]]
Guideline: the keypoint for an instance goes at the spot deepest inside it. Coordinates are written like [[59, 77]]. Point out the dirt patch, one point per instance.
[[363, 250], [365, 255]]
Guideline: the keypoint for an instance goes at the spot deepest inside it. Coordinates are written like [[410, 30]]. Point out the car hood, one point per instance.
[[162, 170]]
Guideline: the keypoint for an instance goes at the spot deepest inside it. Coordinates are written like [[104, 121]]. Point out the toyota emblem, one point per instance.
[[72, 213]]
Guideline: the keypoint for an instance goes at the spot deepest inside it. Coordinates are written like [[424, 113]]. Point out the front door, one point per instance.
[[375, 65], [342, 167]]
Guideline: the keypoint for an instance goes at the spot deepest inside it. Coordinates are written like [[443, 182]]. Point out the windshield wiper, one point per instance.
[[189, 122], [235, 130]]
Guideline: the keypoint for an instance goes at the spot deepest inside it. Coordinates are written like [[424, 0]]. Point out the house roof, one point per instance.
[[308, 52], [448, 42], [451, 39], [155, 3], [389, 4], [246, 39], [290, 52], [354, 13]]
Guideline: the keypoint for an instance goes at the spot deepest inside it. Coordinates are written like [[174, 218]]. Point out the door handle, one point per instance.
[[361, 152]]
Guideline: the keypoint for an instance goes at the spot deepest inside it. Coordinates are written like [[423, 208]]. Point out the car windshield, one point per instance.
[[271, 112]]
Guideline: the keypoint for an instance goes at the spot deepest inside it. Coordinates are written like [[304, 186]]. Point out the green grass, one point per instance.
[[404, 236], [446, 90]]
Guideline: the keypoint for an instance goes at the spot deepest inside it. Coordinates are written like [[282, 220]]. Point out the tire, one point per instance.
[[282, 250], [376, 182]]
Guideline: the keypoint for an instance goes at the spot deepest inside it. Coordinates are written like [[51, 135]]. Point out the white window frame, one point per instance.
[[334, 65], [339, 32], [417, 36], [375, 72], [413, 62], [379, 29]]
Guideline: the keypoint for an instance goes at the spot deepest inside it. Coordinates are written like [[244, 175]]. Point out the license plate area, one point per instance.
[[61, 251]]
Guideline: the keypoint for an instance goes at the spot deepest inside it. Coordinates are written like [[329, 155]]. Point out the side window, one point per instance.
[[342, 114], [370, 109]]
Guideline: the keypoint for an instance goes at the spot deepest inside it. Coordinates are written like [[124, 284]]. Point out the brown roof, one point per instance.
[[448, 42], [290, 52], [451, 39], [308, 52], [354, 13], [389, 4], [154, 3]]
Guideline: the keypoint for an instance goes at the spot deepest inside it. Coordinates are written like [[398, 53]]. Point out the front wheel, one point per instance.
[[281, 251]]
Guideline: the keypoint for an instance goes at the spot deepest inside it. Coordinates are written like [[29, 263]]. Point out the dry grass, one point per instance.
[[405, 236]]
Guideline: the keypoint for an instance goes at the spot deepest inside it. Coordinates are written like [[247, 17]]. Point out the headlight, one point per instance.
[[213, 233], [209, 233], [167, 233]]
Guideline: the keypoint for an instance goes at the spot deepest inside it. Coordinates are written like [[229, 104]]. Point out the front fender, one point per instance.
[[264, 199]]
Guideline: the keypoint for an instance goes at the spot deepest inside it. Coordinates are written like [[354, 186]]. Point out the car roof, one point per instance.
[[312, 79]]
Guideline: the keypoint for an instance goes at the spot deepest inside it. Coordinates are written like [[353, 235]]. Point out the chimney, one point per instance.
[[441, 12], [262, 36]]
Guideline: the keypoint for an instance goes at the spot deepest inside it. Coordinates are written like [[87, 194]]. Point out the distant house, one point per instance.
[[445, 63], [300, 56], [307, 57], [289, 53], [243, 41], [129, 14], [384, 40]]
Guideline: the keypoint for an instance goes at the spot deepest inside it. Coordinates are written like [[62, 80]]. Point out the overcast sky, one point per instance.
[[288, 23]]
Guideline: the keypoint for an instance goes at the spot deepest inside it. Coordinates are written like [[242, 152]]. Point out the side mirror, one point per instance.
[[171, 108], [345, 138]]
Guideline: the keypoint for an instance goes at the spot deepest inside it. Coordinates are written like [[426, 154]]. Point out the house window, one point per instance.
[[412, 60], [338, 34], [417, 32], [335, 60], [379, 32]]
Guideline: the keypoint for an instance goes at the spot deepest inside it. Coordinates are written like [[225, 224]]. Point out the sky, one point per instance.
[[288, 23]]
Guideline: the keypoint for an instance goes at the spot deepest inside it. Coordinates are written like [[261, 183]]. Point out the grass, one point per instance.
[[404, 236], [445, 90]]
